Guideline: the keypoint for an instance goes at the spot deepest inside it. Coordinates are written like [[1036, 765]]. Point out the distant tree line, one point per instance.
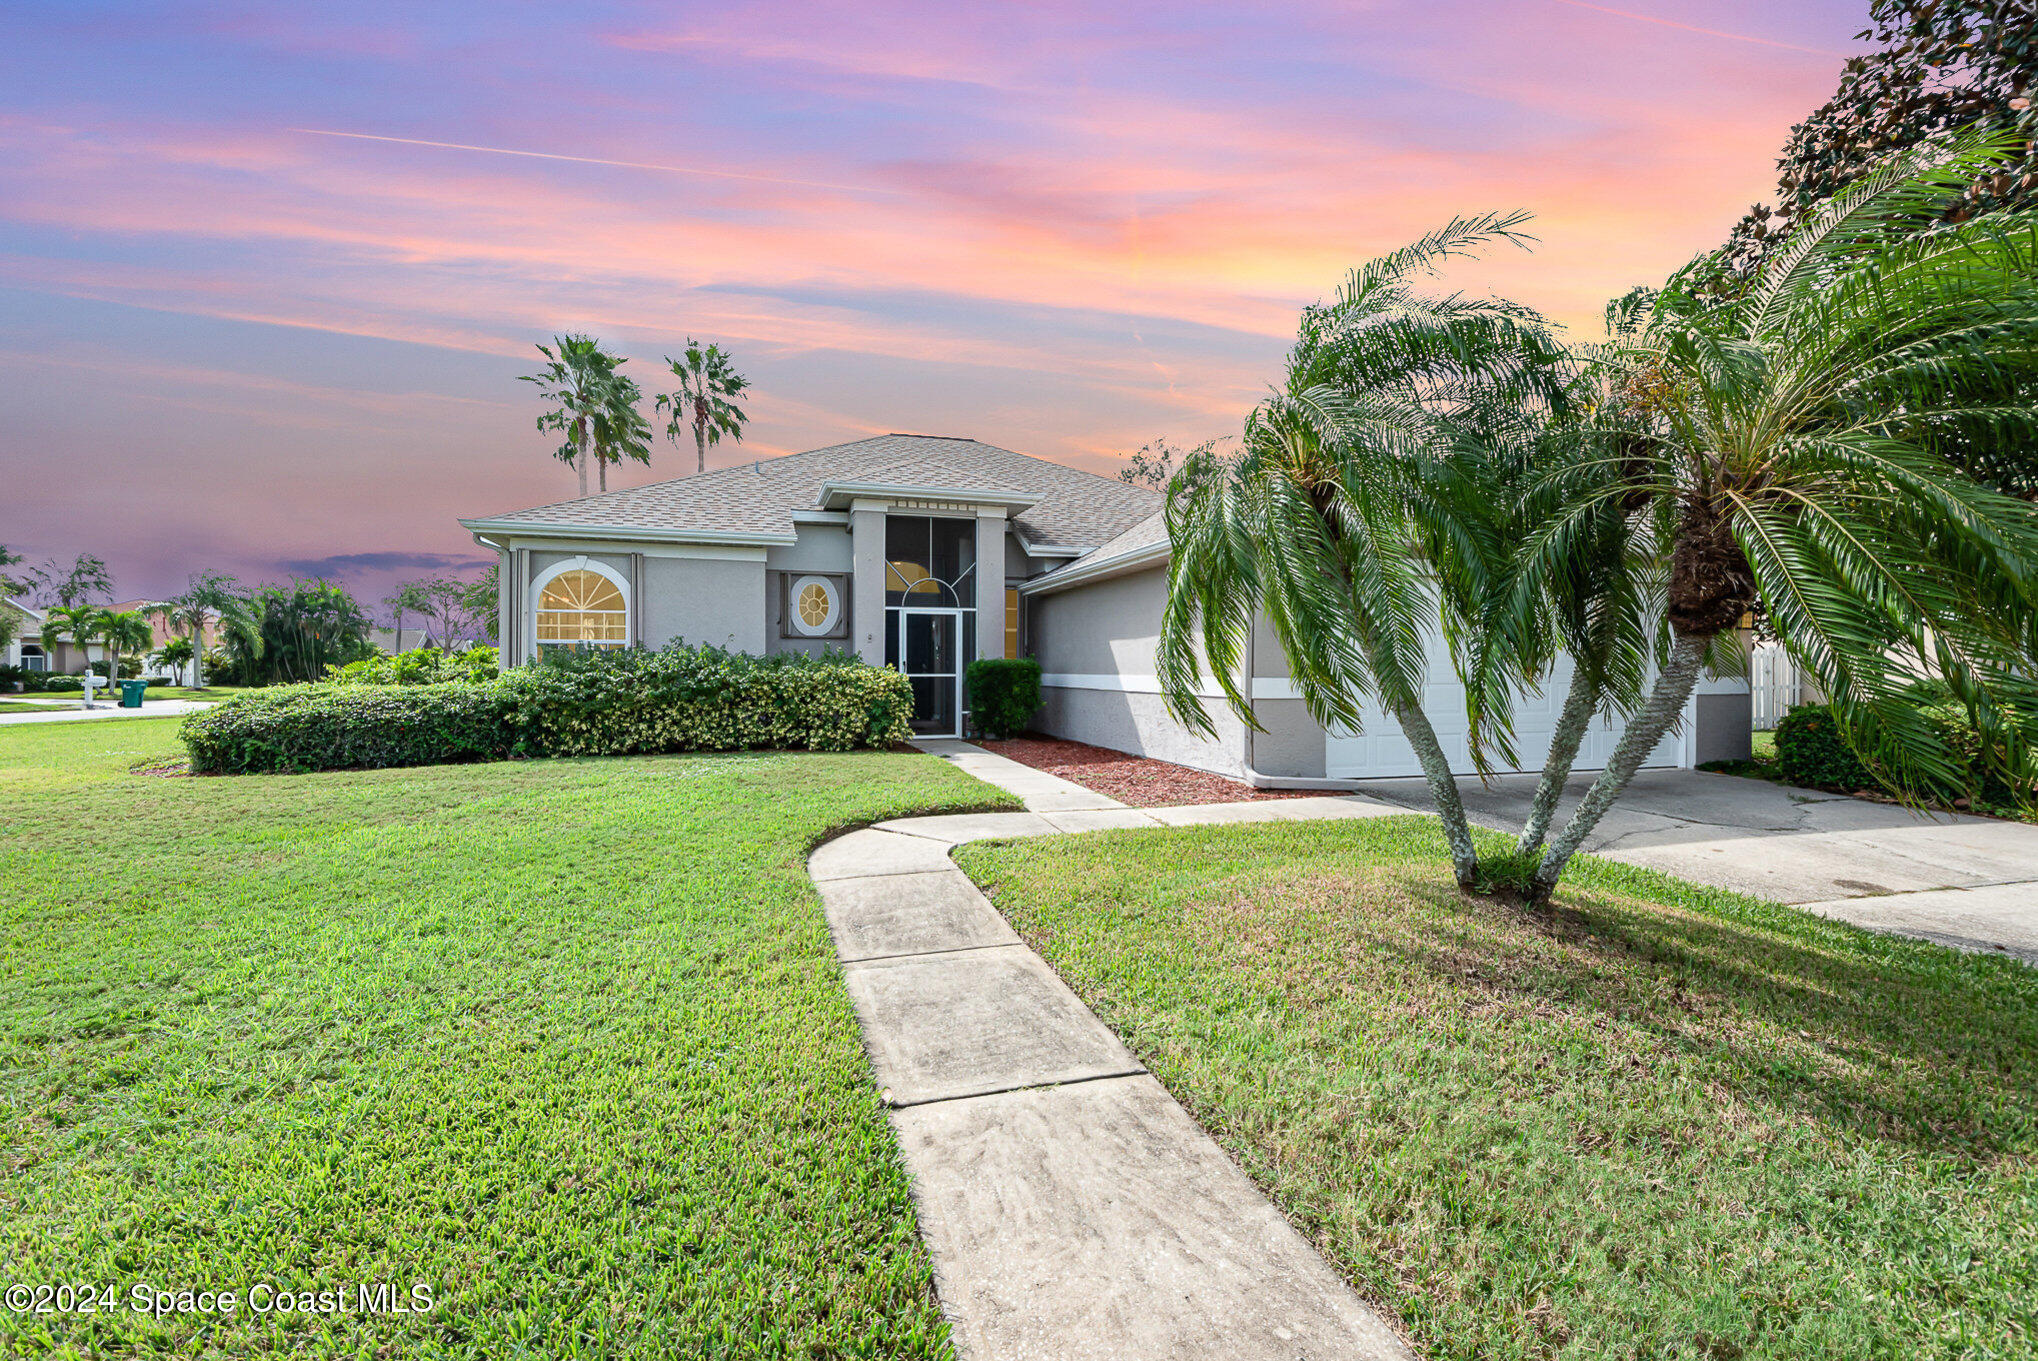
[[268, 635]]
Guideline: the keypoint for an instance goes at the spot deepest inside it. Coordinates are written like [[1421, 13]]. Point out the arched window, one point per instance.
[[582, 604]]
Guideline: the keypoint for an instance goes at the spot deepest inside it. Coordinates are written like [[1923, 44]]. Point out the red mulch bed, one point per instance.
[[1138, 780]]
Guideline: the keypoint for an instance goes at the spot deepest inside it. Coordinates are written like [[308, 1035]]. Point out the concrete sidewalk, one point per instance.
[[154, 708], [1072, 1208]]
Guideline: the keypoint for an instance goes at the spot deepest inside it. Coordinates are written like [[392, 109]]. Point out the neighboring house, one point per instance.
[[391, 641], [160, 633], [61, 657], [25, 650], [879, 547]]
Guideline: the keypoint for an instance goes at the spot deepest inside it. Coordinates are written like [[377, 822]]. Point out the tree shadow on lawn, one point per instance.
[[1893, 1039]]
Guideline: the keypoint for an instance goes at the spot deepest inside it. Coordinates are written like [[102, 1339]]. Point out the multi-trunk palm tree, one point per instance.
[[1791, 448], [597, 407], [1343, 518], [176, 654], [1432, 463], [705, 402], [211, 599]]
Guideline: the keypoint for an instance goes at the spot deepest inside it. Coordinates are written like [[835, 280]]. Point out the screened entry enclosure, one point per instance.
[[931, 614]]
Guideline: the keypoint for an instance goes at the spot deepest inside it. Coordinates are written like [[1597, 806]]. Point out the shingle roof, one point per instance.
[[1075, 509], [1148, 533], [1139, 548]]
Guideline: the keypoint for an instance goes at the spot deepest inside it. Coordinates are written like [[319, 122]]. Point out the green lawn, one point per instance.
[[563, 1040], [1669, 1122], [35, 706]]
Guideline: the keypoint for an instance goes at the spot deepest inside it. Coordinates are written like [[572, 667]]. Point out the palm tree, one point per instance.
[[82, 624], [211, 599], [1791, 448], [619, 430], [595, 406], [124, 631], [176, 654], [707, 382], [1340, 519]]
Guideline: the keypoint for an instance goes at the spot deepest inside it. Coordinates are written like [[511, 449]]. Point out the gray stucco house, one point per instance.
[[925, 552]]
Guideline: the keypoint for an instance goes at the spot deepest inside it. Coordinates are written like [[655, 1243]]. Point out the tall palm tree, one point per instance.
[[124, 631], [619, 430], [708, 382], [595, 408], [1788, 448], [1340, 519]]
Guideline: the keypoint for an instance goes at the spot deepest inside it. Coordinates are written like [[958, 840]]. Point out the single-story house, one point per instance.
[[925, 552]]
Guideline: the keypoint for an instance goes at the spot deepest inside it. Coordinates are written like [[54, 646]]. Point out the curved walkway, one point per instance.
[[1072, 1208]]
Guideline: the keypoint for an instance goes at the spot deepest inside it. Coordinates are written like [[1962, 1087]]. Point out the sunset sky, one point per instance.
[[268, 275]]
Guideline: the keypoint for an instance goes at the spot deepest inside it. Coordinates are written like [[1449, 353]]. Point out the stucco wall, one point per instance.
[[712, 600], [704, 601], [821, 548], [825, 549], [1292, 743], [1096, 649], [1725, 727], [1109, 627], [1139, 723]]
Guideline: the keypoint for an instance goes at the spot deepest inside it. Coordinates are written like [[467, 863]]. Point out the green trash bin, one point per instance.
[[131, 693]]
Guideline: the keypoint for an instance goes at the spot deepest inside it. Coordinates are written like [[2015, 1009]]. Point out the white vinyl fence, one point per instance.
[[1777, 684]]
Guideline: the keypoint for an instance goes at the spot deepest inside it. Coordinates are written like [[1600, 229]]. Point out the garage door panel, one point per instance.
[[1381, 752]]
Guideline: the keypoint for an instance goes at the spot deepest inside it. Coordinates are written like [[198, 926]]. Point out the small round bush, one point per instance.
[[1003, 695], [1811, 752]]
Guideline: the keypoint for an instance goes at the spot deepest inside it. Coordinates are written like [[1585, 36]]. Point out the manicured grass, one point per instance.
[[34, 706], [564, 1040], [1666, 1122]]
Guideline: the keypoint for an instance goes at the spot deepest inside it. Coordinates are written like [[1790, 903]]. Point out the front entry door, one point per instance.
[[931, 659]]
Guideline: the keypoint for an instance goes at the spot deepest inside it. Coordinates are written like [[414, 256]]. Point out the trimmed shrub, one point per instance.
[[328, 727], [596, 704], [419, 666], [1003, 695], [1811, 752], [705, 699]]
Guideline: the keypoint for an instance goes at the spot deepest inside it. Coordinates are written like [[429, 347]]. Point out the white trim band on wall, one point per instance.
[[1266, 687]]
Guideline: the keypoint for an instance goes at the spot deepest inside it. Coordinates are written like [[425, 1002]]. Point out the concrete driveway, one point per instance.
[[1963, 881]]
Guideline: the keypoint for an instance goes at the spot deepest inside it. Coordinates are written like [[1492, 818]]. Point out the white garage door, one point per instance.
[[1381, 752]]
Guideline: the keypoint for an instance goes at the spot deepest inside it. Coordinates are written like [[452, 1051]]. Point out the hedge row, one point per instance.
[[419, 666], [599, 704]]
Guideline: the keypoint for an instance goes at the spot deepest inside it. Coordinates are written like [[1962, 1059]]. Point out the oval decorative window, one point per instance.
[[814, 605]]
